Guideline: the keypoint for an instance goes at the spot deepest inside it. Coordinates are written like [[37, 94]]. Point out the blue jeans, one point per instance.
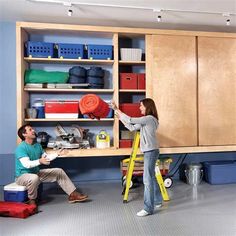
[[152, 194]]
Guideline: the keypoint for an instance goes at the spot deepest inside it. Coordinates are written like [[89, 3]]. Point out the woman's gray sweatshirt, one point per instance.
[[147, 125]]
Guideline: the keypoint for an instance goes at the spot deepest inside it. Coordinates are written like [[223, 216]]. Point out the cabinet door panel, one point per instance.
[[173, 85], [217, 91]]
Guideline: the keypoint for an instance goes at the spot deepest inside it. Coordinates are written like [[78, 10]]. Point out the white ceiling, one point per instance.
[[23, 10]]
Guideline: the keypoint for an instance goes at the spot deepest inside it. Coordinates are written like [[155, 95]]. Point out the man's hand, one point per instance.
[[44, 161]]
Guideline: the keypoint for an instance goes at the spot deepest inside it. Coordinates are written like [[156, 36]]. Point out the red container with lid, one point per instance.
[[125, 143], [141, 81], [131, 109], [128, 81]]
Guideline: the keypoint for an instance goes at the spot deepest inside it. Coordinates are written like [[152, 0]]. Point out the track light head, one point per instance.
[[228, 22], [70, 12], [159, 18]]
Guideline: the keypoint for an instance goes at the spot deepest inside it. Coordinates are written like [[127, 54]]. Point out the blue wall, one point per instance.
[[79, 169]]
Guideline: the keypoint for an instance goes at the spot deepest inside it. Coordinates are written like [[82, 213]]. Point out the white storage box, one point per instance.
[[125, 134], [131, 54], [15, 193]]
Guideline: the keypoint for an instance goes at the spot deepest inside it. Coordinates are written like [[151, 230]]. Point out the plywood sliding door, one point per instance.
[[217, 91], [172, 82]]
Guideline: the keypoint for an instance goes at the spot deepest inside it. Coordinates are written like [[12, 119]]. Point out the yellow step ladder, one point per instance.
[[129, 173]]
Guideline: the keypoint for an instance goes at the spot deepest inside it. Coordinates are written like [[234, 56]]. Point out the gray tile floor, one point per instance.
[[205, 210]]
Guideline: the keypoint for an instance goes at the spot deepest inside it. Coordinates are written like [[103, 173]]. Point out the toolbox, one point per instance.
[[61, 109]]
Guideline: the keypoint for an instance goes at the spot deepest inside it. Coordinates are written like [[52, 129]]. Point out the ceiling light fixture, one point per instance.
[[66, 3]]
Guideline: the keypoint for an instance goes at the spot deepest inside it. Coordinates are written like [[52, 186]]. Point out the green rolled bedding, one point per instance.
[[41, 77]]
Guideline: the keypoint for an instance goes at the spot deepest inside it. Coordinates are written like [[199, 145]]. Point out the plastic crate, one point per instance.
[[99, 52], [39, 49], [71, 51], [220, 172], [131, 54]]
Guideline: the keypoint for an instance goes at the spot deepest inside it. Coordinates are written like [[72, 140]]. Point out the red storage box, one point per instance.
[[141, 81], [131, 109], [128, 81], [125, 143], [61, 109]]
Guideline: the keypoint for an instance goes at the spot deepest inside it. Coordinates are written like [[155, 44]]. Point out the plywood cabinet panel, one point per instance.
[[217, 90], [172, 83]]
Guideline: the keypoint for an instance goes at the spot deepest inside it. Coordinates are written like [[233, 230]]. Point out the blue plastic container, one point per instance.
[[100, 52], [15, 193], [220, 172], [39, 49], [70, 51]]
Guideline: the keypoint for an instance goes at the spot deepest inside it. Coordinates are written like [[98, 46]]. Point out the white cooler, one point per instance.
[[15, 193]]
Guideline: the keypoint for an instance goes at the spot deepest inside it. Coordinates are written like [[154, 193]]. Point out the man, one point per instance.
[[29, 156]]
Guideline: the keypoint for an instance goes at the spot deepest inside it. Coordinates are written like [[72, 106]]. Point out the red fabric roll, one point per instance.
[[93, 106]]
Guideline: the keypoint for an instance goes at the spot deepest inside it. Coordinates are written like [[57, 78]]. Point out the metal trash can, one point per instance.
[[194, 174]]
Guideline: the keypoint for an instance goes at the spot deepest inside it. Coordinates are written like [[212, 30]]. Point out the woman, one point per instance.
[[147, 124]]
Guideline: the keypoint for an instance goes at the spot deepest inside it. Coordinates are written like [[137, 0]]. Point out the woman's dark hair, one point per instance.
[[150, 107], [22, 131]]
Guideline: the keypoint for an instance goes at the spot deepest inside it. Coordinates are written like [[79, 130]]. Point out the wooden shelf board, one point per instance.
[[70, 61], [55, 90], [132, 62], [68, 119], [132, 90], [127, 151]]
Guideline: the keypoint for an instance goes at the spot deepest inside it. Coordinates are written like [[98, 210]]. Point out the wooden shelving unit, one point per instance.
[[197, 114]]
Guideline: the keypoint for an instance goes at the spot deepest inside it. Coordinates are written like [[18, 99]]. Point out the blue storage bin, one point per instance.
[[220, 172], [100, 52], [39, 49], [71, 51]]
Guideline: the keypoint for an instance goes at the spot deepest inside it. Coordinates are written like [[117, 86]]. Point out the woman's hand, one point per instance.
[[113, 105]]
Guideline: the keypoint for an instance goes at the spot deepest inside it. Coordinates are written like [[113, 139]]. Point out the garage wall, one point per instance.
[[79, 169]]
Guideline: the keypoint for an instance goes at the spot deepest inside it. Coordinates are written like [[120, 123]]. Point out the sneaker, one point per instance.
[[158, 205], [142, 213], [77, 197]]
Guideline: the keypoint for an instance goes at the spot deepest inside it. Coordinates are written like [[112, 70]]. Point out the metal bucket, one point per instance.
[[194, 174]]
